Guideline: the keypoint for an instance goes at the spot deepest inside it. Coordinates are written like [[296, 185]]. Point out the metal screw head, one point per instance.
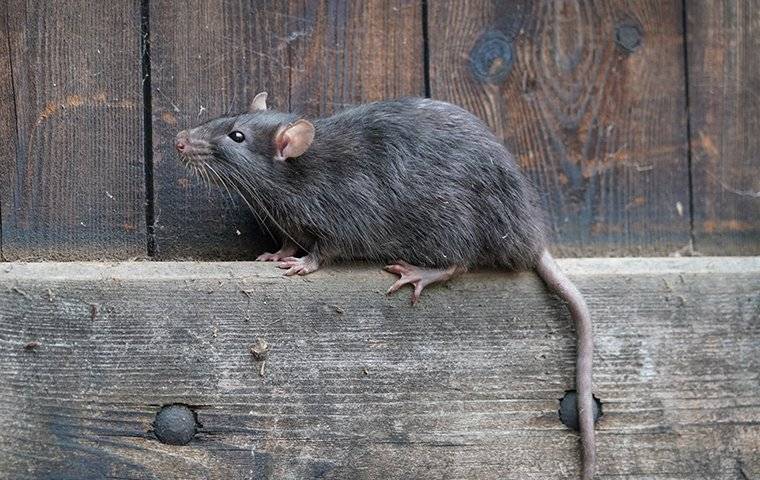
[[568, 410], [175, 424]]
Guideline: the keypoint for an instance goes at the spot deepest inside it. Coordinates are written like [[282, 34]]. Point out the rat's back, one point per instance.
[[427, 181]]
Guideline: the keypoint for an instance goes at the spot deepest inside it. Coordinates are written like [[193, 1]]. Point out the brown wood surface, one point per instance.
[[352, 52], [7, 106], [590, 97], [724, 101], [359, 385], [209, 58], [73, 186]]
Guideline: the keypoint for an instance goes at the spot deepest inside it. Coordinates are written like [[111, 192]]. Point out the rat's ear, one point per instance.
[[293, 139], [259, 102]]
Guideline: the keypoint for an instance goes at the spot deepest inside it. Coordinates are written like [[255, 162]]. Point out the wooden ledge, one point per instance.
[[360, 385]]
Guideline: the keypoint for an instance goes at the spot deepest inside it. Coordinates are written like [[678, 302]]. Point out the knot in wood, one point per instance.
[[628, 36], [175, 424], [568, 410], [491, 57]]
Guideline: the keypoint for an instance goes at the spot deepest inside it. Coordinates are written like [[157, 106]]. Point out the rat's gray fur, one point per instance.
[[417, 180], [381, 183]]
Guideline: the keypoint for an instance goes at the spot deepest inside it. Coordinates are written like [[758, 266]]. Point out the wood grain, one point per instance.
[[75, 185], [7, 104], [590, 97], [326, 53], [346, 52], [724, 81], [209, 58], [359, 385]]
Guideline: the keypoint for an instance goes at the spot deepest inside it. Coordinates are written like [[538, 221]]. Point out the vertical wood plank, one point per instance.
[[590, 97], [346, 52], [75, 185], [7, 105], [209, 58], [724, 97], [321, 54]]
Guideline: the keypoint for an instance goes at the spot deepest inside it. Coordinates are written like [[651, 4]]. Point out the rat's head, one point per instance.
[[249, 144]]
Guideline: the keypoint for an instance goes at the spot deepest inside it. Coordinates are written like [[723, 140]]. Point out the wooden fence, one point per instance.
[[638, 120]]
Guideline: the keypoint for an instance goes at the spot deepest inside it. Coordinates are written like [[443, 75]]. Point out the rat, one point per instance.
[[420, 184]]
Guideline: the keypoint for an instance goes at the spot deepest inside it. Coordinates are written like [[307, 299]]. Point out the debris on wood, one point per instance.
[[261, 370], [272, 323], [260, 349], [365, 371], [50, 295], [247, 293], [33, 345], [93, 310], [21, 292], [338, 309]]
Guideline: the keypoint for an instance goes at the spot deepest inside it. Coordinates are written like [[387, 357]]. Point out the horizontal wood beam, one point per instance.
[[360, 385]]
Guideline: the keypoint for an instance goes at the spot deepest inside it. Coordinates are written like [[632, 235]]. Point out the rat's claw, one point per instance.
[[399, 283], [397, 269], [418, 286], [298, 266], [268, 257], [419, 277]]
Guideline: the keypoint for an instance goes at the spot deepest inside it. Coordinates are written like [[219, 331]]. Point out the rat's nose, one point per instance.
[[181, 142]]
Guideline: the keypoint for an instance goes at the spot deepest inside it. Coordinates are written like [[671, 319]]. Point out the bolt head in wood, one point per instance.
[[175, 424], [568, 410]]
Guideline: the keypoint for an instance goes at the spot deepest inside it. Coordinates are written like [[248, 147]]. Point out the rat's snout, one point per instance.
[[191, 148], [181, 142]]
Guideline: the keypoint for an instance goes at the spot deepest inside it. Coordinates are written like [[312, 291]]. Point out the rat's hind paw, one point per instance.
[[419, 277], [299, 266]]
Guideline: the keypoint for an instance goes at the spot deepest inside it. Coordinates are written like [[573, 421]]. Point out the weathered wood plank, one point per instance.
[[724, 80], [326, 53], [359, 385], [75, 185], [590, 96], [209, 58], [346, 52], [7, 104]]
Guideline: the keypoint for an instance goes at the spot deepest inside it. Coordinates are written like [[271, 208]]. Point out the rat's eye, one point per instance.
[[237, 136]]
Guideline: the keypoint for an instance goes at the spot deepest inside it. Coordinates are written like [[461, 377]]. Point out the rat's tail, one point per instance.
[[551, 274]]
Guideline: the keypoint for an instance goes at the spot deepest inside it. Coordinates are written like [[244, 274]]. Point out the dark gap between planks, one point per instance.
[[147, 127], [426, 49], [688, 121]]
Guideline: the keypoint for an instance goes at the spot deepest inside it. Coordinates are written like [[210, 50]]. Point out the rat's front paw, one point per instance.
[[269, 257], [299, 266]]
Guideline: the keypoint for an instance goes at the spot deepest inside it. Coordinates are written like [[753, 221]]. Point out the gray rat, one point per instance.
[[420, 184]]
